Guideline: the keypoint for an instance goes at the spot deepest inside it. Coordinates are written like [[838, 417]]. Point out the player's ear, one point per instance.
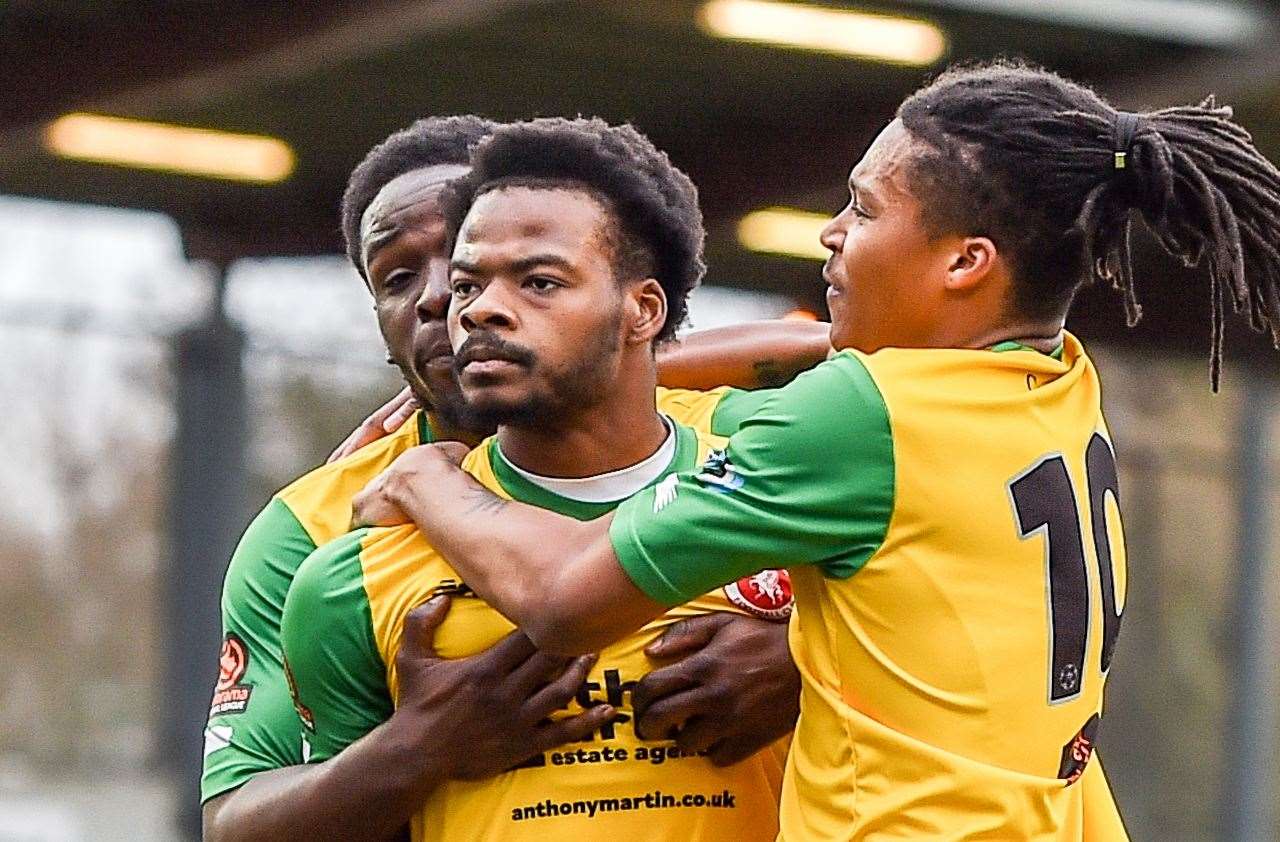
[[970, 264], [646, 305]]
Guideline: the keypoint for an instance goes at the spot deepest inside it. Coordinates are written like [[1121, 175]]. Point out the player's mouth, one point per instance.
[[829, 275], [486, 359], [436, 357]]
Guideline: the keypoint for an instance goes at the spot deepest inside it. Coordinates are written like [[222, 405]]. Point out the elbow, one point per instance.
[[213, 821], [557, 628]]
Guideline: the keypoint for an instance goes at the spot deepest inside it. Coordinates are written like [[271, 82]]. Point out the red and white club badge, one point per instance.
[[767, 594]]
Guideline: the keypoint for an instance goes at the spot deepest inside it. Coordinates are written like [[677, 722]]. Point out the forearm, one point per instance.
[[553, 576], [486, 538], [368, 791], [749, 356]]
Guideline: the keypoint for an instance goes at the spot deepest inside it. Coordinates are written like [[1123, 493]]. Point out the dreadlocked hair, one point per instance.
[[1030, 159]]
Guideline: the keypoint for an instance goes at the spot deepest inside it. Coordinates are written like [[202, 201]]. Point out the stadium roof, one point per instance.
[[755, 126]]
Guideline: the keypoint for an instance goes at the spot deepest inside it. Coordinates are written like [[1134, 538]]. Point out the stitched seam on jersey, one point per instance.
[[712, 423], [845, 721], [368, 627], [893, 491]]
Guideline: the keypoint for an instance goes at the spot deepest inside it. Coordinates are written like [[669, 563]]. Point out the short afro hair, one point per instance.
[[428, 142], [660, 232]]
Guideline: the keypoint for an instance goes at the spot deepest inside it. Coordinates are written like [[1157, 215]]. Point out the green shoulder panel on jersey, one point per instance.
[[736, 406], [808, 479], [340, 681], [262, 733], [259, 732]]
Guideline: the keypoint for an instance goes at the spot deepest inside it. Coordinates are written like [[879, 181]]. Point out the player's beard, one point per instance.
[[555, 395]]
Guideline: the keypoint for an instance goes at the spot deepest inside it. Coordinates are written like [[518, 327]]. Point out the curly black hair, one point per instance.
[[429, 142], [1052, 173], [659, 231]]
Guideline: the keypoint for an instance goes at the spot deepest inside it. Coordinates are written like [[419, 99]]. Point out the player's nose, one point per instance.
[[488, 309], [433, 303]]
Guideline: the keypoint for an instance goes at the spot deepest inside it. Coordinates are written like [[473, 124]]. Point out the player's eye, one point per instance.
[[463, 288], [541, 283], [857, 208], [398, 278]]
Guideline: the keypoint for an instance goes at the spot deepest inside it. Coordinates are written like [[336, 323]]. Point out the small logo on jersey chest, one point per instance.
[[451, 587]]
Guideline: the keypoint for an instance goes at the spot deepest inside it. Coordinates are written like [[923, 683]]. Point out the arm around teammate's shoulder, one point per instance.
[[807, 480]]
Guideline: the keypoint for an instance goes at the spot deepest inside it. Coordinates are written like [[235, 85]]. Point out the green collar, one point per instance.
[[1011, 345], [425, 436], [523, 490]]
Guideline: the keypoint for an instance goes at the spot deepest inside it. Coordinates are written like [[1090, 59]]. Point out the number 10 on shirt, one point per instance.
[[1044, 503]]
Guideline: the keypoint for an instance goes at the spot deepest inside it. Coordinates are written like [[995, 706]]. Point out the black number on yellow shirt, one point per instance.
[[1044, 502]]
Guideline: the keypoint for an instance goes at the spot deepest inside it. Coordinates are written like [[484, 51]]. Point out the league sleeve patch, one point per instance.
[[767, 594], [230, 695]]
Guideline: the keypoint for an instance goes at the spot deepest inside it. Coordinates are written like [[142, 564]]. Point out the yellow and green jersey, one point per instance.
[[341, 632], [252, 726], [951, 525]]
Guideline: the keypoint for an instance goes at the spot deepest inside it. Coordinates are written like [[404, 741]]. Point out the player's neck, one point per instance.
[[442, 429], [621, 430]]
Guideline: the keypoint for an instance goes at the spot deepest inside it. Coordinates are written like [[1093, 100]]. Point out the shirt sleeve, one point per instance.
[[335, 670], [808, 478], [252, 727], [736, 406]]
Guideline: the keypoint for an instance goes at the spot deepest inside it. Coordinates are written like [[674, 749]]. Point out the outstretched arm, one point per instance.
[[753, 355]]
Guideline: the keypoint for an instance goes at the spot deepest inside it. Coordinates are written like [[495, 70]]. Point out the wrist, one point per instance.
[[413, 749]]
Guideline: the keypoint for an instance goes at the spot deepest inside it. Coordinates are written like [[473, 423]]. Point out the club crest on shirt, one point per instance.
[[718, 473], [767, 594], [230, 696]]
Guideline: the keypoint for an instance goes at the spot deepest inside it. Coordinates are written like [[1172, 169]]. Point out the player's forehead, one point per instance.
[[409, 201], [881, 172], [507, 224]]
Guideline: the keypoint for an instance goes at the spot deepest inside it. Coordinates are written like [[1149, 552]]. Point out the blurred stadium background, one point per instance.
[[174, 346]]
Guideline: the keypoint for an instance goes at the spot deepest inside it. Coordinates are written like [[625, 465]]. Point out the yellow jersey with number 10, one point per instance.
[[950, 520]]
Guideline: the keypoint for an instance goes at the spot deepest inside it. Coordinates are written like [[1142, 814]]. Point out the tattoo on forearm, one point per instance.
[[768, 373], [483, 501]]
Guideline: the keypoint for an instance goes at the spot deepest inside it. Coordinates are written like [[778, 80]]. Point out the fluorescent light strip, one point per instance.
[[168, 148], [784, 231], [879, 37], [1211, 23]]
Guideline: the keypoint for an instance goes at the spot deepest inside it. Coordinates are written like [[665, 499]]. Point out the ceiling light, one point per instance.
[[880, 37], [1212, 23], [784, 231], [177, 149]]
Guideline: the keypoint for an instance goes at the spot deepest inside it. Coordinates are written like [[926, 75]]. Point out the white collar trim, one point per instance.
[[615, 485]]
